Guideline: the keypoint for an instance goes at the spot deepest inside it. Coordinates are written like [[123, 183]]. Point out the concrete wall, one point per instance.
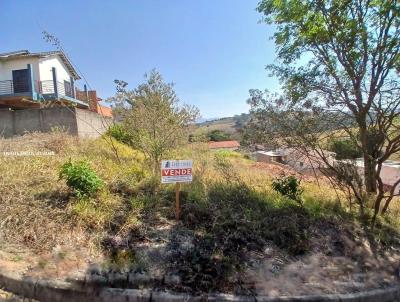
[[6, 123], [79, 122], [91, 124]]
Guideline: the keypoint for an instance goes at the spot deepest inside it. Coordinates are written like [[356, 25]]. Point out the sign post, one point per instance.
[[176, 171], [177, 201]]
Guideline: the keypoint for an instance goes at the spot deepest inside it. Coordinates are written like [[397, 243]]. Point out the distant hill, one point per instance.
[[205, 120], [230, 125]]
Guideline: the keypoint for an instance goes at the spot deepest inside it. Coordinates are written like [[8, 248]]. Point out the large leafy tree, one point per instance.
[[152, 116], [339, 62]]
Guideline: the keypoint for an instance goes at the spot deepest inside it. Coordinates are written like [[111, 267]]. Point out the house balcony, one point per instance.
[[42, 91], [50, 90], [23, 91]]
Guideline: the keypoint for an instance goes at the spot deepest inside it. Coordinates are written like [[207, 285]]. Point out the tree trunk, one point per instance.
[[369, 162], [370, 174]]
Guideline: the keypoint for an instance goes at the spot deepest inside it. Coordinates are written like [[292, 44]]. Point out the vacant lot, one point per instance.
[[236, 234]]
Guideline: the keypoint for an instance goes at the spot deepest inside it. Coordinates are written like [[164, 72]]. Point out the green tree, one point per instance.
[[345, 149], [338, 60], [218, 136], [153, 118]]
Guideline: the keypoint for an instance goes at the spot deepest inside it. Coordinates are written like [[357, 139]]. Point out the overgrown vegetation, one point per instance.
[[118, 132], [230, 214]]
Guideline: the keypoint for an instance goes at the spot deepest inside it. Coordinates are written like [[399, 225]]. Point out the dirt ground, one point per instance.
[[350, 267]]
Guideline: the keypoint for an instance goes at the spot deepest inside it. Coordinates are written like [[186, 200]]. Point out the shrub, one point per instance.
[[118, 132], [218, 136], [198, 138], [288, 186], [345, 149], [81, 178]]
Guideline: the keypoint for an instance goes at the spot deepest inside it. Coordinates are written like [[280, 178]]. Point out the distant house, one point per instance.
[[308, 163], [278, 156], [390, 172], [311, 163], [225, 145], [43, 79]]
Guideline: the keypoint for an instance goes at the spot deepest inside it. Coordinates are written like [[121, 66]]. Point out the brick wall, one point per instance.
[[93, 100]]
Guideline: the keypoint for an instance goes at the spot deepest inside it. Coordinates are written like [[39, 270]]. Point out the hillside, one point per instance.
[[237, 235], [230, 125]]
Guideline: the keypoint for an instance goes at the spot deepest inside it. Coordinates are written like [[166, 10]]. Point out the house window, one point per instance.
[[68, 88], [301, 164]]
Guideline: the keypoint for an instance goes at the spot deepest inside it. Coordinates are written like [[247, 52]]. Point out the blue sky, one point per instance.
[[213, 50]]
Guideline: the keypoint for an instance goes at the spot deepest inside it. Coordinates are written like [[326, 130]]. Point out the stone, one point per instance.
[[173, 280], [76, 277], [170, 297], [117, 279], [124, 295], [229, 298], [138, 279], [96, 279]]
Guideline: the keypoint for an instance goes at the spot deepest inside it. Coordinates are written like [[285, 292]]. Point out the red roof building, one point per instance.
[[233, 145]]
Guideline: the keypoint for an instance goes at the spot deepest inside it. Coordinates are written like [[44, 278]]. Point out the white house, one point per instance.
[[26, 79]]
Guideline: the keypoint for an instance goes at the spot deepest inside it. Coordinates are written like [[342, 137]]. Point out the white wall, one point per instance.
[[6, 67], [46, 65], [389, 174]]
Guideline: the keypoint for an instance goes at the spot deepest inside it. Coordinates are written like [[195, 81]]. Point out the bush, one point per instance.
[[81, 178], [218, 136], [345, 149], [288, 186], [118, 132]]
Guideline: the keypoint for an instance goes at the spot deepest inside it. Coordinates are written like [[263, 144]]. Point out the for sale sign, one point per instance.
[[173, 171]]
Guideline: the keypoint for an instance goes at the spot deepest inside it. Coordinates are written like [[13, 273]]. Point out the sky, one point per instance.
[[213, 50]]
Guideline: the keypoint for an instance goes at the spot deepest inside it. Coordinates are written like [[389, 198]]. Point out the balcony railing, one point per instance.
[[6, 87], [63, 89], [44, 88], [10, 87]]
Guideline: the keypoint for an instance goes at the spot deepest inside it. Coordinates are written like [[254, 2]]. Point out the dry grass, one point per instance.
[[130, 218], [34, 203], [36, 208]]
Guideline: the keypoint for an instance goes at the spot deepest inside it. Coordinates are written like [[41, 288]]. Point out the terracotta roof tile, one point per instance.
[[224, 144]]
